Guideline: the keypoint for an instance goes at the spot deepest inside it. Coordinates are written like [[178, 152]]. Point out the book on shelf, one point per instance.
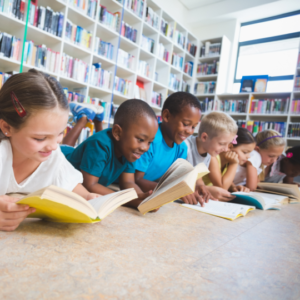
[[100, 77], [73, 96], [226, 210], [206, 104], [78, 35], [59, 205], [191, 48], [13, 8], [210, 49], [295, 107], [136, 6], [103, 48], [152, 18], [147, 43], [241, 123], [208, 68], [260, 85], [167, 28], [298, 60], [114, 108], [177, 61], [74, 68], [269, 106], [205, 87], [231, 106], [162, 52], [109, 19], [258, 126], [294, 130], [139, 91], [41, 57], [122, 86], [174, 82], [188, 68], [179, 38], [4, 76], [178, 181], [297, 83], [125, 59], [157, 99], [10, 46], [144, 68], [185, 87], [128, 32], [91, 8]]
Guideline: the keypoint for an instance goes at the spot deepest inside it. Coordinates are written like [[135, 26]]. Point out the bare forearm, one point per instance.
[[97, 188], [228, 177], [128, 185], [146, 185]]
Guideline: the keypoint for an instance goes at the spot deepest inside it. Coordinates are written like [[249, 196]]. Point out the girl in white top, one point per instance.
[[249, 160], [33, 115]]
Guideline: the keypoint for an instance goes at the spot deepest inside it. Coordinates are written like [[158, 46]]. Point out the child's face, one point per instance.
[[137, 137], [243, 151], [214, 146], [181, 126], [290, 168], [270, 155], [40, 136]]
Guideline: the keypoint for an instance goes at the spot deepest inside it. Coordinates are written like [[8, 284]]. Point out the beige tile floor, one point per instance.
[[175, 253]]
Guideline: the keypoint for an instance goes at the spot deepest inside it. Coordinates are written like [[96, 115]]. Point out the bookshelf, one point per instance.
[[159, 69]]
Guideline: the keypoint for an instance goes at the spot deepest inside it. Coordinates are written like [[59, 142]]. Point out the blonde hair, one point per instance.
[[215, 123], [269, 142]]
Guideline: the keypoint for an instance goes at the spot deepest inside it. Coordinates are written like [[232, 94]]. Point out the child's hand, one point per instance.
[[231, 157], [241, 188], [91, 196], [193, 199], [12, 214], [220, 193]]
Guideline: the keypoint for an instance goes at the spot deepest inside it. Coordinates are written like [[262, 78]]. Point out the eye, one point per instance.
[[185, 125], [40, 140], [140, 140]]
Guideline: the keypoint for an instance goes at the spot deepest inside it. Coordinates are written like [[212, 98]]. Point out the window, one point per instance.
[[269, 47]]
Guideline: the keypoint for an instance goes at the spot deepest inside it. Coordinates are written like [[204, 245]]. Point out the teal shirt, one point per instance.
[[157, 160], [96, 156]]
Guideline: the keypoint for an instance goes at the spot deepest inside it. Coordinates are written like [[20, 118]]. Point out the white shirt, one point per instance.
[[193, 156], [55, 170], [240, 175]]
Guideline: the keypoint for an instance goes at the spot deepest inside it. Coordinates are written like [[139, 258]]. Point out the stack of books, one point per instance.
[[177, 61], [41, 57], [128, 32], [147, 43], [258, 126], [208, 69], [295, 107], [136, 6], [191, 48], [210, 49], [206, 87], [156, 99], [109, 19], [104, 48], [231, 106], [122, 86], [269, 106], [144, 68], [179, 38], [185, 87], [100, 77], [10, 46], [188, 68], [78, 35], [125, 59], [46, 19], [206, 105], [13, 8], [174, 82], [294, 130], [152, 18], [162, 52], [3, 78], [74, 68]]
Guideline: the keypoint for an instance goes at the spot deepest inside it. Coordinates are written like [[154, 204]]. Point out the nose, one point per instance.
[[52, 145], [225, 149], [190, 130], [144, 147]]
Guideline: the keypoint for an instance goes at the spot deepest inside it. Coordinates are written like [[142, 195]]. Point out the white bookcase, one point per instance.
[[16, 27]]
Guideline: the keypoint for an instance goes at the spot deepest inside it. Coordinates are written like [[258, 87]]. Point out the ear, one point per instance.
[[166, 115], [117, 132], [256, 148], [5, 128], [204, 137], [230, 146]]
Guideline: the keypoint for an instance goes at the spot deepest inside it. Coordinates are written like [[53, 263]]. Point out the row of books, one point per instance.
[[125, 59], [46, 19], [231, 106], [73, 96], [14, 8], [100, 77], [294, 130], [136, 6], [147, 43], [152, 18], [177, 61], [162, 52], [205, 87], [206, 105], [10, 46], [167, 28], [88, 6], [174, 82], [144, 68], [298, 61], [210, 49], [41, 57], [297, 83], [104, 48], [78, 35], [191, 48], [179, 38], [128, 32], [188, 68], [258, 126], [267, 106], [74, 68], [122, 86], [156, 99], [3, 77], [185, 87], [109, 19], [208, 68], [295, 107]]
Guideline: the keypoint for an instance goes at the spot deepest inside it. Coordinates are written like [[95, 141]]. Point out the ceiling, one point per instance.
[[192, 4]]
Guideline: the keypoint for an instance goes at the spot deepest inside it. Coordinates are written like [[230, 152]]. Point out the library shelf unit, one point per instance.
[[160, 70]]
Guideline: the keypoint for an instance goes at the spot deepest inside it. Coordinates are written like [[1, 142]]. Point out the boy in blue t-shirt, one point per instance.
[[110, 154]]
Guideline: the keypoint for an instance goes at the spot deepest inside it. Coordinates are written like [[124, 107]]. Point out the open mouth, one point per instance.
[[45, 154], [137, 155], [182, 137]]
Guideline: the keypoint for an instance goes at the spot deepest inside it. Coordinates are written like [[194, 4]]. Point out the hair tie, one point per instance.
[[234, 142], [17, 105], [271, 137]]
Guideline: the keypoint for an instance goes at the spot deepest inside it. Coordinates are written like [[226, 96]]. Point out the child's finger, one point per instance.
[[12, 207], [18, 215]]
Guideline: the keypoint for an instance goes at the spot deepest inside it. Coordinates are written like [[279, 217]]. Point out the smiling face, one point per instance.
[[40, 135], [177, 128], [243, 151], [136, 138], [270, 155]]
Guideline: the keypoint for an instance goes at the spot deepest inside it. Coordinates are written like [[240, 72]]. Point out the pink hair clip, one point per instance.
[[234, 142], [18, 106], [289, 155]]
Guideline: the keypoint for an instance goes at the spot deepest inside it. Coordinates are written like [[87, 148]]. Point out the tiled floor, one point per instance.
[[175, 253]]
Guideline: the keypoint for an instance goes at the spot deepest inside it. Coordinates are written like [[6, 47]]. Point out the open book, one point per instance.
[[177, 182], [262, 201], [225, 210], [289, 190], [59, 205]]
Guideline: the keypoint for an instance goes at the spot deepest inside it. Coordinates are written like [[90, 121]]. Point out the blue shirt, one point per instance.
[[157, 160], [96, 156]]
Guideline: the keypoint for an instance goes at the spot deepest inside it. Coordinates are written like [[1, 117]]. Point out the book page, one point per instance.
[[287, 189]]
